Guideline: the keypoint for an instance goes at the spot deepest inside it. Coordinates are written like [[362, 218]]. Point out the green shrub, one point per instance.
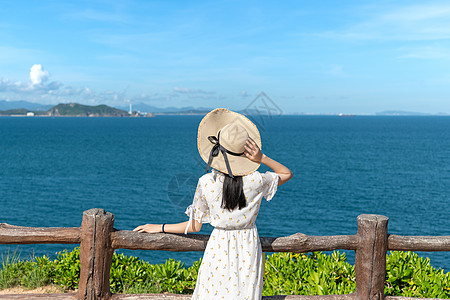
[[25, 273], [316, 273], [128, 273], [409, 275], [12, 269], [66, 269]]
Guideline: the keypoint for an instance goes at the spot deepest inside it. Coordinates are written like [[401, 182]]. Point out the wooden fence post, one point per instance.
[[95, 255], [370, 259]]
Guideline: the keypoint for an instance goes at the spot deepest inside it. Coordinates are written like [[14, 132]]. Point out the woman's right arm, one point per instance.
[[254, 154], [283, 172]]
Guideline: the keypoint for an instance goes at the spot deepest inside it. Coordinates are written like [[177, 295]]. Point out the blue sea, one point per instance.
[[144, 170]]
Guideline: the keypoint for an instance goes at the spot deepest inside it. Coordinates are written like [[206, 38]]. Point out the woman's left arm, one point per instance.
[[170, 228]]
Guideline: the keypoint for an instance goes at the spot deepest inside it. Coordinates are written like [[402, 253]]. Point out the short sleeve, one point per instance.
[[270, 184], [199, 209]]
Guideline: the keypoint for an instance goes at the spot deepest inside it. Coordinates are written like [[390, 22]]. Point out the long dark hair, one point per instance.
[[233, 193]]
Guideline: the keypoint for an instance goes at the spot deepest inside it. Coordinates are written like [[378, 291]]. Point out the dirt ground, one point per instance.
[[49, 289]]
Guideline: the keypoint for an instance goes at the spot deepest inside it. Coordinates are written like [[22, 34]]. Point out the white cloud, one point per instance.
[[402, 23], [183, 90], [337, 71], [40, 89], [38, 85], [427, 52], [13, 54], [194, 94], [38, 75], [7, 86], [156, 97], [416, 13], [99, 16]]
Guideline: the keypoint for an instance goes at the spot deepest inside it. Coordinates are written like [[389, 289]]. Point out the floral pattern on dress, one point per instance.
[[232, 266]]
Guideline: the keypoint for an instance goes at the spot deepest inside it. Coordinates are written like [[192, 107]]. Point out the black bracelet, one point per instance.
[[163, 228]]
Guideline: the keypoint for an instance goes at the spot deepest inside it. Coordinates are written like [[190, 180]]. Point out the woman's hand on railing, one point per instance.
[[149, 228]]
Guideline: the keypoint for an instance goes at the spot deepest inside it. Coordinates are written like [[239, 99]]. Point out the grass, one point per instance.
[[24, 273]]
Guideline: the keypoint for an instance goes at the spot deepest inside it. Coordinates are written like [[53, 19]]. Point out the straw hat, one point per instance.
[[222, 135]]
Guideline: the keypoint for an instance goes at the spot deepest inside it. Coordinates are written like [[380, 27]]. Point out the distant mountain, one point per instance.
[[80, 110], [7, 105], [400, 113]]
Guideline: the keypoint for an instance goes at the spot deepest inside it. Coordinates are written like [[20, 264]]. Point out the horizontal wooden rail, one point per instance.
[[419, 243], [125, 239], [10, 234], [298, 242]]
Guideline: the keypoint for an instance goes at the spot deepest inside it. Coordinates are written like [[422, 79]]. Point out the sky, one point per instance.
[[353, 57]]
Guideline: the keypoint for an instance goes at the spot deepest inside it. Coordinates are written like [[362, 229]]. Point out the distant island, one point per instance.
[[74, 110], [407, 113]]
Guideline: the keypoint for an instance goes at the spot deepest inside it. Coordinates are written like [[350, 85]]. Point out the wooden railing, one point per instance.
[[98, 239]]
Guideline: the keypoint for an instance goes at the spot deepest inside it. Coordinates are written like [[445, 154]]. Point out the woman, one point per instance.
[[229, 199]]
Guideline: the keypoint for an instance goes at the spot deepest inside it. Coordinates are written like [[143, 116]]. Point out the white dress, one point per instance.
[[232, 266]]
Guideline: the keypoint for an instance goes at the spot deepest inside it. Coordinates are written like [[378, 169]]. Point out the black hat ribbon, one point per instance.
[[219, 148]]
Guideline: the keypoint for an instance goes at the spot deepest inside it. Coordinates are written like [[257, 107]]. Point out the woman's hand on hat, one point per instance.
[[149, 228], [252, 151]]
